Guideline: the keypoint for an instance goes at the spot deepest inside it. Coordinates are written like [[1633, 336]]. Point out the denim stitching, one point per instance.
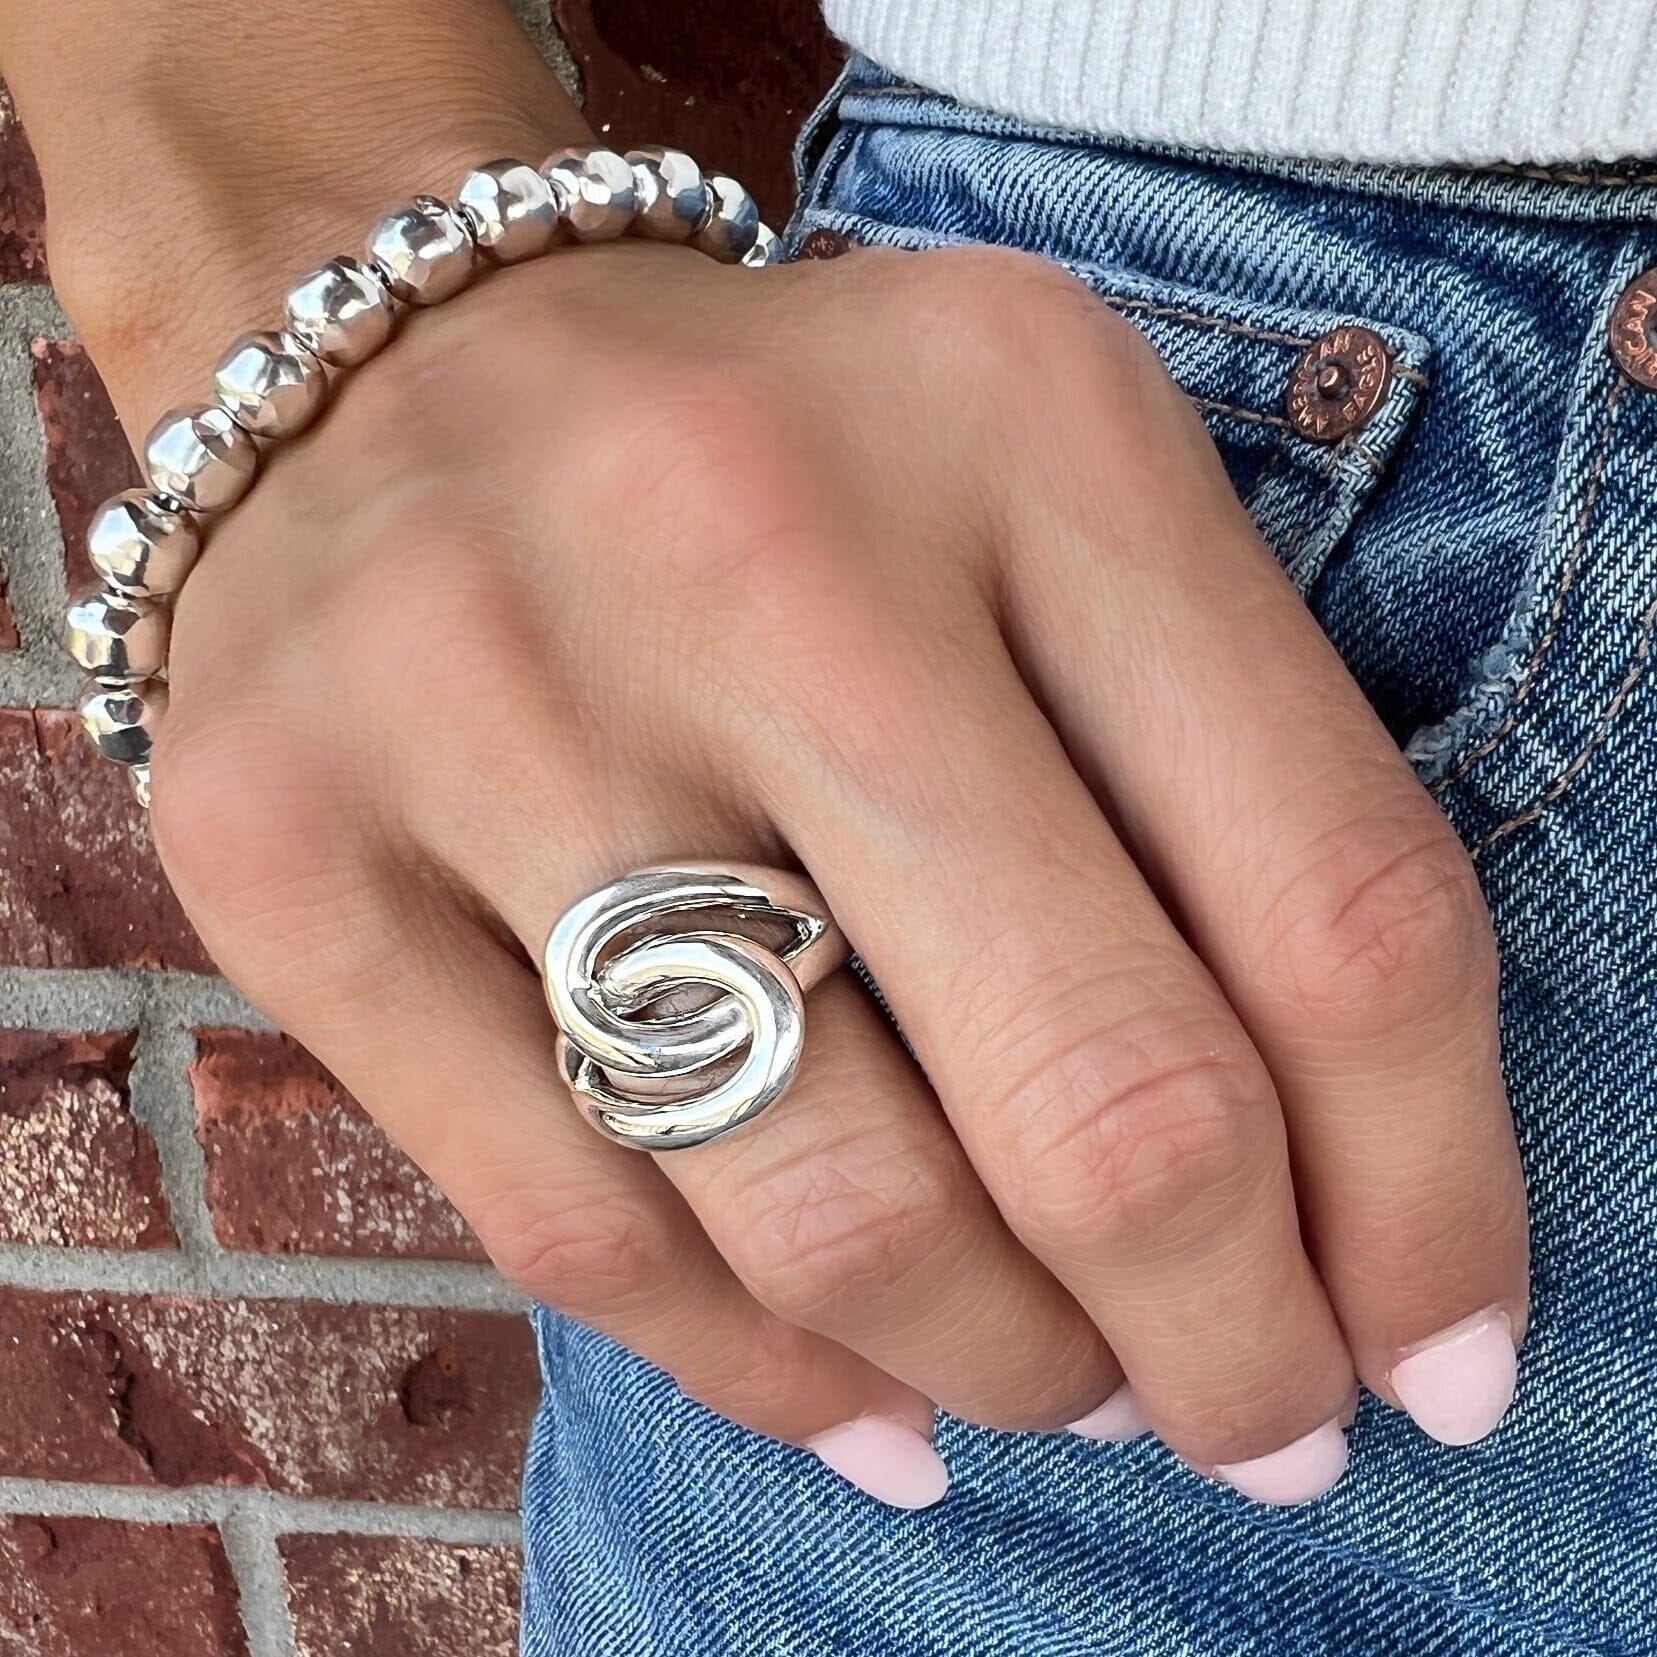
[[1279, 453], [1568, 175], [1556, 608], [1211, 405], [1607, 718], [1178, 313], [1375, 463], [1224, 325], [1331, 474]]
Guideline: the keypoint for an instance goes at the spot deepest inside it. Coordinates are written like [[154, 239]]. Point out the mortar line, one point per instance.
[[45, 679], [109, 998], [160, 1097], [535, 17], [283, 1515], [30, 534], [261, 1595], [439, 1285]]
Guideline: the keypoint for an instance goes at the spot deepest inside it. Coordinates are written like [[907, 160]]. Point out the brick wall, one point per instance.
[[263, 1396]]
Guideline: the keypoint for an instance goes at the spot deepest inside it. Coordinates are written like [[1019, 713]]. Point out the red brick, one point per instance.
[[79, 882], [87, 457], [88, 1588], [729, 82], [296, 1165], [390, 1597], [308, 1398], [22, 202], [76, 1169]]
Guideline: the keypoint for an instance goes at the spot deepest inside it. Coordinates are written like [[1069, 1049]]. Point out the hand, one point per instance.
[[917, 569]]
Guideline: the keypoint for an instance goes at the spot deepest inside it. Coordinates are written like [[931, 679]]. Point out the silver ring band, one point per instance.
[[679, 994]]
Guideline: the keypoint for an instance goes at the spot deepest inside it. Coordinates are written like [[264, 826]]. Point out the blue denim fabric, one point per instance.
[[1484, 554]]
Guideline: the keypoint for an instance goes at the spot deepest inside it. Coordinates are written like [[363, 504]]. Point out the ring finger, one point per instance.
[[849, 1208]]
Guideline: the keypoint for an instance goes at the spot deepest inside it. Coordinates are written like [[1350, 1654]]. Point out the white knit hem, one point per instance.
[[1414, 82]]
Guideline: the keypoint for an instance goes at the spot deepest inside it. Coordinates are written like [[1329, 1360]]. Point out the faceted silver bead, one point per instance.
[[767, 249], [122, 722], [139, 777], [733, 227], [140, 546], [271, 384], [117, 639], [673, 202], [200, 457], [343, 311], [510, 210], [732, 230], [424, 251], [595, 191]]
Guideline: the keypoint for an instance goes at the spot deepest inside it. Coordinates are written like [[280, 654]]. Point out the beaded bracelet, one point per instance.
[[271, 385]]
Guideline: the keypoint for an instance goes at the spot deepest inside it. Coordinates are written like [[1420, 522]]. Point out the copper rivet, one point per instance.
[[1338, 383], [1634, 330], [823, 243]]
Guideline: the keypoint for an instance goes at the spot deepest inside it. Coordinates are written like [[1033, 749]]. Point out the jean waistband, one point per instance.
[[1589, 194]]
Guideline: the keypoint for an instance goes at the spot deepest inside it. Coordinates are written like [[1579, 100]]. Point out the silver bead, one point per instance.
[[200, 457], [139, 777], [424, 251], [117, 639], [122, 722], [343, 311], [767, 249], [271, 384], [140, 546], [510, 210], [732, 229], [595, 190], [673, 201]]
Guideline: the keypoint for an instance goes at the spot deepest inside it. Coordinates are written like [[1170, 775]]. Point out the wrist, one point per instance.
[[210, 182]]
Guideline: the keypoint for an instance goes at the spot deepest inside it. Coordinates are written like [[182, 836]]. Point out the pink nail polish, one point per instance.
[[1458, 1384], [1296, 1473], [885, 1458], [1115, 1421]]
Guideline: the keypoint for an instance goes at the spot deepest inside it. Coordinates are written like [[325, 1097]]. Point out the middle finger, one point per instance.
[[1100, 1082]]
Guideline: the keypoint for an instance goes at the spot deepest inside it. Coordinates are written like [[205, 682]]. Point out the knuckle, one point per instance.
[[424, 575], [1130, 1133], [987, 288], [245, 812], [815, 1238], [709, 480], [1029, 316], [1385, 921], [591, 1256]]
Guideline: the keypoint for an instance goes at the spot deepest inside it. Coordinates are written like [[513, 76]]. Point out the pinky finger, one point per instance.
[[447, 1041]]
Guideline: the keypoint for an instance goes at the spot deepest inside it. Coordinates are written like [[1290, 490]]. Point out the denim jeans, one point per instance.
[[1483, 552]]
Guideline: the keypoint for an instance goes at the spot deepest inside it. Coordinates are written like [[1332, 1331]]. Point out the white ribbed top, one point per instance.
[[1471, 81]]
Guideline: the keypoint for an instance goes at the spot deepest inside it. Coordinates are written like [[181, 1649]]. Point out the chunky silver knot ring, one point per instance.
[[679, 994]]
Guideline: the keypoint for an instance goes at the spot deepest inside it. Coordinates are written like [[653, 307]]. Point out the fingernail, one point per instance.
[[885, 1458], [1115, 1421], [1296, 1473], [1458, 1385]]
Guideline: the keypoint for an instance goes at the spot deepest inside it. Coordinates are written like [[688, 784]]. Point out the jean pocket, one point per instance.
[[1236, 359], [1562, 671]]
